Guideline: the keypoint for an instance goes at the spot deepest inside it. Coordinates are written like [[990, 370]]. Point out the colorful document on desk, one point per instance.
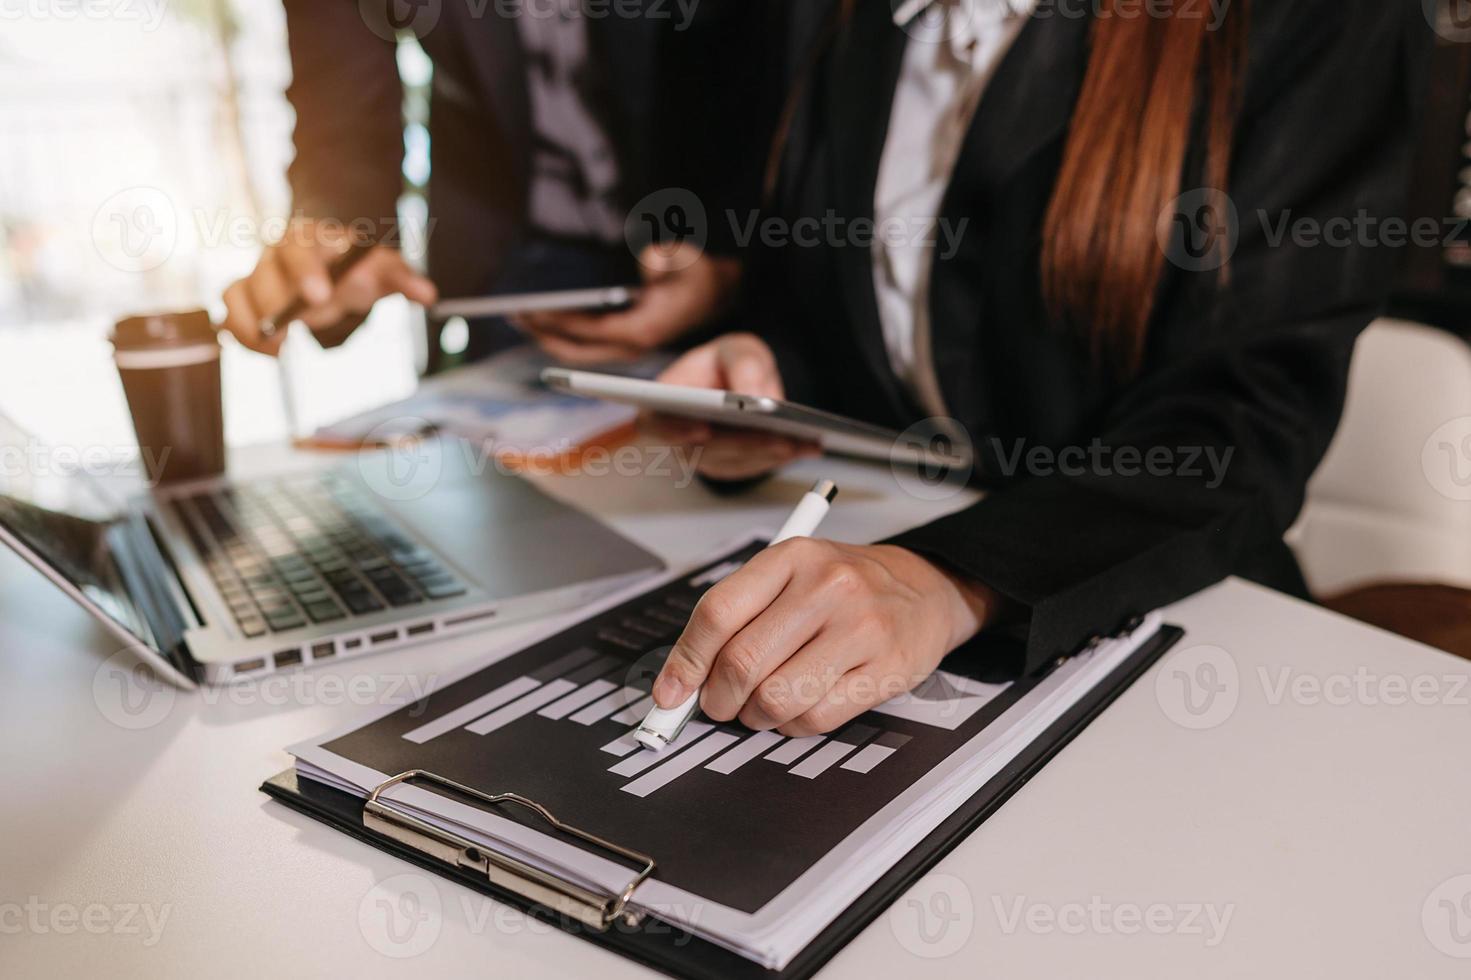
[[760, 840], [500, 403]]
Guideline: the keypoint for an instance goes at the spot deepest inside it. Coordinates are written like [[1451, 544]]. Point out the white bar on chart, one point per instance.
[[622, 745], [489, 701], [822, 760], [688, 759], [579, 698], [868, 757], [795, 749], [605, 706], [753, 746], [520, 707], [636, 764], [635, 712]]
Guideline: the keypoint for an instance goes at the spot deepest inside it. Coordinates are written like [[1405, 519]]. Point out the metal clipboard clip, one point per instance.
[[591, 908]]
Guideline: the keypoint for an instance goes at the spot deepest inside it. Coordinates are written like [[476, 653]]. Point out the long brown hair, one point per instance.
[[1122, 165]]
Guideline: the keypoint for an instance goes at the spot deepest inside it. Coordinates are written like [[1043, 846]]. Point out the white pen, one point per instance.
[[663, 725]]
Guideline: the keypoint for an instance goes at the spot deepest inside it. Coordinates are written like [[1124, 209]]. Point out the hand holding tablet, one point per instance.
[[731, 393]]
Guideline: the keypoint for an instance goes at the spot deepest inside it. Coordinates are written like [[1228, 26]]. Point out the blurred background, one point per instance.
[[143, 153]]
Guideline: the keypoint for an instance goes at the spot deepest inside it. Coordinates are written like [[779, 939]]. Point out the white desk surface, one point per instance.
[[1331, 829]]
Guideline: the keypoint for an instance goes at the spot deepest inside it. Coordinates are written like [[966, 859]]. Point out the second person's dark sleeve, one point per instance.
[[349, 113]]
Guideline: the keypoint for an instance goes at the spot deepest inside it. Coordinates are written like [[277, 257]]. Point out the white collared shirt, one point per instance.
[[954, 49]]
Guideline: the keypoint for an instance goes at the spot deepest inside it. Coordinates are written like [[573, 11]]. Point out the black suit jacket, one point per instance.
[[690, 106], [1256, 367]]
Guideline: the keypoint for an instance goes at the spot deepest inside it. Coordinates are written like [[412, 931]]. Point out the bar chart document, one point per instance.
[[760, 840]]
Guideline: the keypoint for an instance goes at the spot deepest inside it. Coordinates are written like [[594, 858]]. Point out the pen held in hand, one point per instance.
[[340, 267], [664, 725]]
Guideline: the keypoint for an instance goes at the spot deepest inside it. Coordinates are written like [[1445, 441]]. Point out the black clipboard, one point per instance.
[[670, 950]]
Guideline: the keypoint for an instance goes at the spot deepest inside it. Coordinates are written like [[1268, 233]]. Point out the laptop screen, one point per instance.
[[54, 510]]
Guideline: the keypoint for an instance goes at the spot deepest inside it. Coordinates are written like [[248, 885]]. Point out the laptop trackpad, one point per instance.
[[504, 534]]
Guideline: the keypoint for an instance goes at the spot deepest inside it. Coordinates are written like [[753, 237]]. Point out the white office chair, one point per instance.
[[1385, 535]]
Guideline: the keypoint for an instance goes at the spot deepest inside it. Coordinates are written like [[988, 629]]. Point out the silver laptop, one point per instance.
[[230, 579]]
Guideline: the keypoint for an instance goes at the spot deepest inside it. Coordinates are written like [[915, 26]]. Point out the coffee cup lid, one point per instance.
[[163, 330]]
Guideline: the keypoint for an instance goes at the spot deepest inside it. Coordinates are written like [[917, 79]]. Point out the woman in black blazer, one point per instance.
[[1183, 386]]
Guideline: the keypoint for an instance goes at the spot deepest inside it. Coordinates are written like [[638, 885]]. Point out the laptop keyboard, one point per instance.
[[285, 553]]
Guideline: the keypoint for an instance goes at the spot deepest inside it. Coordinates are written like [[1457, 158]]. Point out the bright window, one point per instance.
[[143, 150]]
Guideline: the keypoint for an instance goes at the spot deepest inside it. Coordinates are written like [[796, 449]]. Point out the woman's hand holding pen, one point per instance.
[[298, 268], [810, 633], [739, 362]]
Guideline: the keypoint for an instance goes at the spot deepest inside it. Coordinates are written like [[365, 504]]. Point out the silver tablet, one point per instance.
[[833, 433], [597, 300]]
